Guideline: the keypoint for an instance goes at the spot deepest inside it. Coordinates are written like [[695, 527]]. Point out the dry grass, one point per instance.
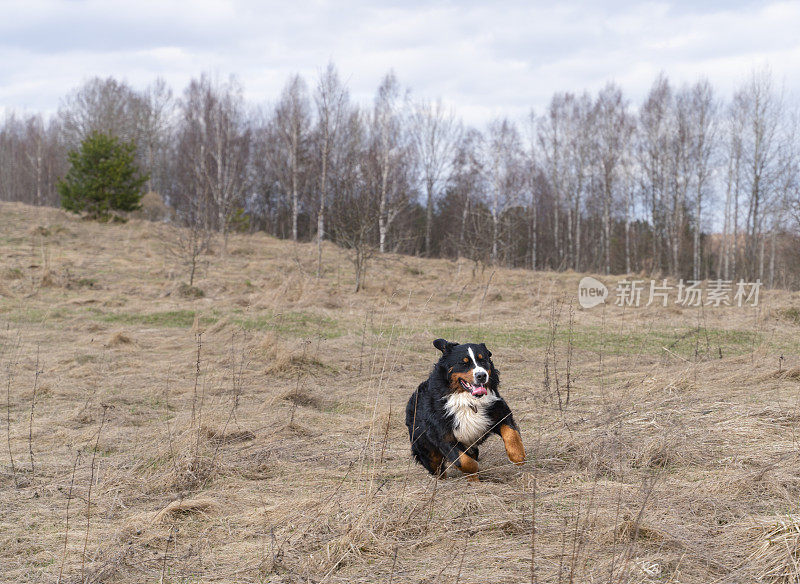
[[778, 556], [183, 507], [252, 429]]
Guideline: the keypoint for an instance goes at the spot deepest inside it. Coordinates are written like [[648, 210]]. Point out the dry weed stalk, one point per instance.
[[533, 532], [552, 384], [30, 420], [483, 298], [170, 539], [66, 519], [199, 343], [89, 494], [11, 367], [296, 396]]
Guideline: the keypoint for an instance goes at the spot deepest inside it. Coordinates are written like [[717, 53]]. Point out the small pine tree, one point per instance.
[[103, 177]]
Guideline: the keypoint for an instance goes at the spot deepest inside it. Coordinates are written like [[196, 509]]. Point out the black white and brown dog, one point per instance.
[[456, 409]]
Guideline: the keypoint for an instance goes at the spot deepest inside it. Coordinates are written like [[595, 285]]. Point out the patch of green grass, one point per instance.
[[690, 343], [192, 292], [791, 315], [166, 319], [28, 314], [81, 283], [297, 324]]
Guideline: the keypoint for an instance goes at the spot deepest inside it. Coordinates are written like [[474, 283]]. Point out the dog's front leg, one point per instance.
[[461, 460], [513, 443], [506, 427]]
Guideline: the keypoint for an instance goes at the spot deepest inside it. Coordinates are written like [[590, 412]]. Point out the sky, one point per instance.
[[484, 59]]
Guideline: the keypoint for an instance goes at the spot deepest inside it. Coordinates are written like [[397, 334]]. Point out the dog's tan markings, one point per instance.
[[513, 441], [436, 463], [480, 356], [469, 466], [454, 380]]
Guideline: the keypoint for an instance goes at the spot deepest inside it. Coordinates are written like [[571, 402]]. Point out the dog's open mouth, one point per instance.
[[475, 390]]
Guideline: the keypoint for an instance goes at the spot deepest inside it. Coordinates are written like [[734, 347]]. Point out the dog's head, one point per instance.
[[467, 368]]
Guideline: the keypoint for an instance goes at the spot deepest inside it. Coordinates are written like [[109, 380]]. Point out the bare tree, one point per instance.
[[466, 185], [655, 131], [389, 149], [156, 121], [435, 132], [613, 129], [552, 139], [101, 105], [212, 151], [32, 159], [353, 206], [766, 159], [505, 177], [291, 127], [703, 124], [194, 240], [331, 100], [563, 141]]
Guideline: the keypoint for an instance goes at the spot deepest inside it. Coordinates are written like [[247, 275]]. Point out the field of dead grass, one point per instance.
[[255, 433]]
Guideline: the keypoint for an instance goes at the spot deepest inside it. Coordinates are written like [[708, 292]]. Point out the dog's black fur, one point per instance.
[[432, 427]]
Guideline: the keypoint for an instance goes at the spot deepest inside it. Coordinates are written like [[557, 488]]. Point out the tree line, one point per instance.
[[684, 184]]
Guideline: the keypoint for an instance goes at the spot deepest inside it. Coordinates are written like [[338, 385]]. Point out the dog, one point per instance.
[[456, 408]]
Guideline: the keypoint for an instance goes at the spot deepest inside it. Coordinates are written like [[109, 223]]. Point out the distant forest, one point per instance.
[[592, 183]]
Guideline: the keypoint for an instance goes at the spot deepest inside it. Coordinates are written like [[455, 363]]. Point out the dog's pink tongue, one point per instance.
[[479, 390]]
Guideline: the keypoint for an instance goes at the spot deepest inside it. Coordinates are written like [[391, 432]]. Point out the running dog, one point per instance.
[[456, 408]]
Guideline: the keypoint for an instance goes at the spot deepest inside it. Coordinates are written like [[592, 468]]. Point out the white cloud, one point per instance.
[[487, 61]]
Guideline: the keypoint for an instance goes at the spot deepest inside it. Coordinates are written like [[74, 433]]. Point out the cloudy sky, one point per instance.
[[486, 59]]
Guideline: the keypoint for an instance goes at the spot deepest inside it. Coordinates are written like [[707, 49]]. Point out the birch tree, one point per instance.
[[654, 134], [767, 153], [387, 140], [213, 149], [613, 128], [703, 113], [292, 125], [504, 168], [331, 99], [435, 132]]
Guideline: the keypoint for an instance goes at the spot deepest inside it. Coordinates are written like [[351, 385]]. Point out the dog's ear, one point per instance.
[[487, 352], [444, 346]]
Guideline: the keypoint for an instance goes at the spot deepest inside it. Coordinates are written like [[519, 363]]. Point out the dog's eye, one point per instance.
[[480, 357]]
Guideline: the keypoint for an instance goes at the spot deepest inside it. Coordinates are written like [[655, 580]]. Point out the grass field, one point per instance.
[[255, 433]]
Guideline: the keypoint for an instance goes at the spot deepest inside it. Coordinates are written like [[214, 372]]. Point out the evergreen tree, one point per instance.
[[103, 177]]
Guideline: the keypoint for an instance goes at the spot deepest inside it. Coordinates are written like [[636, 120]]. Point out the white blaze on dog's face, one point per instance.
[[479, 375]]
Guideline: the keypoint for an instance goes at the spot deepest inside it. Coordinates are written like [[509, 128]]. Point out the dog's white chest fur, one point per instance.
[[471, 420]]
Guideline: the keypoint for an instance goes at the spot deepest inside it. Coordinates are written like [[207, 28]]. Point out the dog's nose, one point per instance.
[[481, 377]]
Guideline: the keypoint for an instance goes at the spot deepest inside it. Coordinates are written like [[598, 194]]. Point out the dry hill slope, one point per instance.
[[255, 434]]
